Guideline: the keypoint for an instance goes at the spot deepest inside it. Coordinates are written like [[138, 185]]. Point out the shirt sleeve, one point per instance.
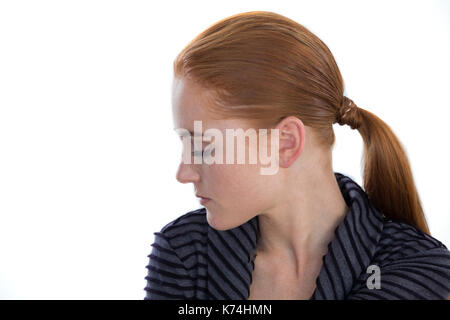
[[167, 278], [423, 275]]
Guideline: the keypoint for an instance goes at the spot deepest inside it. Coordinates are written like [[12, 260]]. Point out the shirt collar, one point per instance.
[[230, 252]]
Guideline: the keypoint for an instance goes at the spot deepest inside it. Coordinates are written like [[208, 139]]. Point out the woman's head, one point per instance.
[[239, 190], [262, 70]]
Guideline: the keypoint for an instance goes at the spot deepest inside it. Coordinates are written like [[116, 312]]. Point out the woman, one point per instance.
[[304, 232]]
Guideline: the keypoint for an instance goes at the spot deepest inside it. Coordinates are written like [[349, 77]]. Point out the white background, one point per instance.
[[88, 155]]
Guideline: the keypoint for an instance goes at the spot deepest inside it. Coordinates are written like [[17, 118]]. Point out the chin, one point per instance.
[[215, 222], [219, 224]]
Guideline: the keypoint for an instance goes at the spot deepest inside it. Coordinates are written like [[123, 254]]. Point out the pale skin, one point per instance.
[[298, 208]]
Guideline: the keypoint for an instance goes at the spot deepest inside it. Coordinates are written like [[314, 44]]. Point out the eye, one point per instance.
[[204, 153]]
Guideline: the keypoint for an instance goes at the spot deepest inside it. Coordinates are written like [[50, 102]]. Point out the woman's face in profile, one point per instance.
[[237, 192]]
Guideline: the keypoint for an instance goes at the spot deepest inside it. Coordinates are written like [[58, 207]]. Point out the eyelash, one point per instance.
[[200, 153]]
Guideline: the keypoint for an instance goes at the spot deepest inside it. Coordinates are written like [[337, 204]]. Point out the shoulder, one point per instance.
[[399, 239], [194, 217], [187, 232], [177, 260], [412, 265]]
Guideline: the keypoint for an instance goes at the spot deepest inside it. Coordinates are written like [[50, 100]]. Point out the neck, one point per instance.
[[299, 227]]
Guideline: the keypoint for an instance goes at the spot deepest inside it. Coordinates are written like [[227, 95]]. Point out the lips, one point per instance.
[[199, 196]]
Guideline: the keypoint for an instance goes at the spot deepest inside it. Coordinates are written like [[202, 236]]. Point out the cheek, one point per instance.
[[235, 180], [240, 191]]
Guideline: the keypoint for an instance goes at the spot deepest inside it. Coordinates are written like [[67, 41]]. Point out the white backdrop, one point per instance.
[[88, 155]]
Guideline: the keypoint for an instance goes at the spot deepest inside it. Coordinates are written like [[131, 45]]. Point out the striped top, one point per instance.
[[191, 260]]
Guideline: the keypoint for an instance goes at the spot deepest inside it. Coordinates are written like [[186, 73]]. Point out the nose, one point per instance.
[[186, 173]]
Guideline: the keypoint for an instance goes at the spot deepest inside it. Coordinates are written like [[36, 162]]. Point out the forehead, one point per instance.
[[189, 104]]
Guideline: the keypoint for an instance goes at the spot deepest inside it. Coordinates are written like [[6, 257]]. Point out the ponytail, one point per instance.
[[388, 179]]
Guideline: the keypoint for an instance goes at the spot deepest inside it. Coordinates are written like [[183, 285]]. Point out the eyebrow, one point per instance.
[[190, 132], [184, 134]]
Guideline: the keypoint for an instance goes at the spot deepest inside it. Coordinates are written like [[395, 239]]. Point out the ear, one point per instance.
[[292, 140]]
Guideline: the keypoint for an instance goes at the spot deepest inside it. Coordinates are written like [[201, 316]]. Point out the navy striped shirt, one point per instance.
[[191, 260]]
